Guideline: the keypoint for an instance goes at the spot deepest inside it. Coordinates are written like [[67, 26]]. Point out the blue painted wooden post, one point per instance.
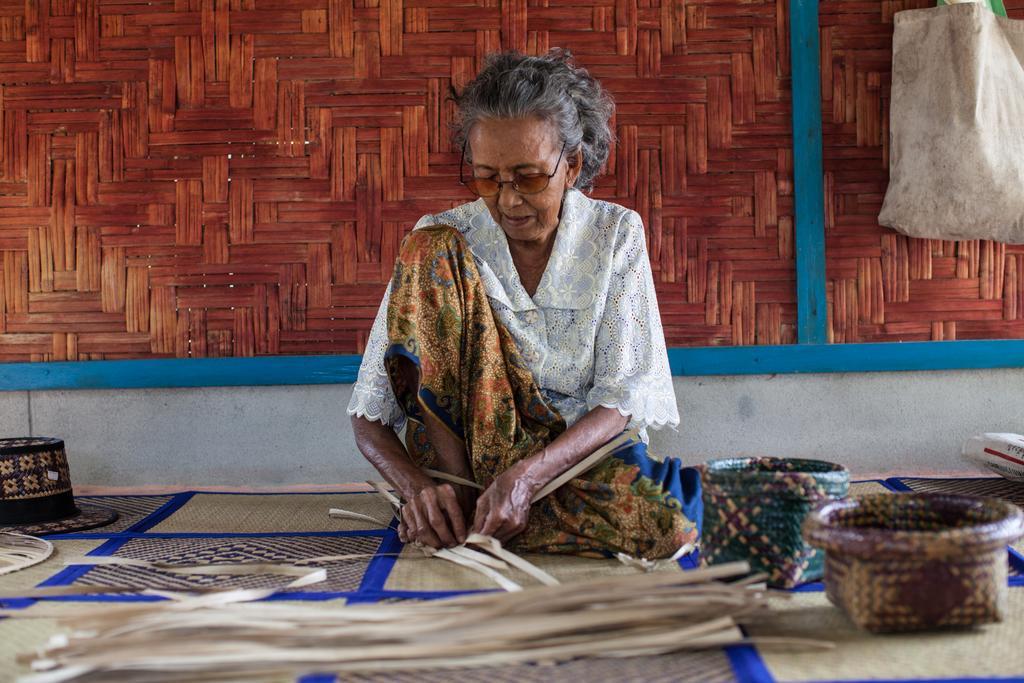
[[812, 316]]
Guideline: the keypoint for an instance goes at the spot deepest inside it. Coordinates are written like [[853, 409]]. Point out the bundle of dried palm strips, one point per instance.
[[221, 637], [18, 551]]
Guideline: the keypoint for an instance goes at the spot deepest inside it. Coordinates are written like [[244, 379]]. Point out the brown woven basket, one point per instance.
[[913, 561]]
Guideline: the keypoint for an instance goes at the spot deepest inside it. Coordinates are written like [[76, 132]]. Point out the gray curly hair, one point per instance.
[[552, 87]]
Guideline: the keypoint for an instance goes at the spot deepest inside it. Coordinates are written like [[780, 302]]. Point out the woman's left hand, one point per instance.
[[502, 510]]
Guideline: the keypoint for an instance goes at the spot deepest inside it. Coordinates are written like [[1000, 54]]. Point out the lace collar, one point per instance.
[[570, 276]]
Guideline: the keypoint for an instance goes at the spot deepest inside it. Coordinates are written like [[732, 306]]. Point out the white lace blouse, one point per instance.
[[591, 334]]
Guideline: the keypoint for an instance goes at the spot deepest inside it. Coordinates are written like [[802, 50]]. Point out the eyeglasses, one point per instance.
[[523, 183]]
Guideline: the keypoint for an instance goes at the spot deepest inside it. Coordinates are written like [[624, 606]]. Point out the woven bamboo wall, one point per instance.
[[225, 178], [883, 286], [232, 177]]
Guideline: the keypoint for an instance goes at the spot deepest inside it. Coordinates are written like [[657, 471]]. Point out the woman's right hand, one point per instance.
[[433, 516]]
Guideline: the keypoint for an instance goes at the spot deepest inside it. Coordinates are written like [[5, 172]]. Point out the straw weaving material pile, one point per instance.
[[227, 636]]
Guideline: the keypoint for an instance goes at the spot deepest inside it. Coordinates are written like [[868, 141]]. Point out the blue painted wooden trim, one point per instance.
[[180, 372], [880, 357], [685, 361], [808, 183]]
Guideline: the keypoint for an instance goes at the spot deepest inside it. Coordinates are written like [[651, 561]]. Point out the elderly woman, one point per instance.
[[520, 332]]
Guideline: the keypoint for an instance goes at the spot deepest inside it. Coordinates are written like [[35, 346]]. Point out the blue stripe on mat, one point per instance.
[[69, 575], [16, 603], [812, 587], [422, 595], [1017, 559], [691, 561], [380, 566], [1017, 562], [980, 679], [897, 485], [163, 512], [747, 664]]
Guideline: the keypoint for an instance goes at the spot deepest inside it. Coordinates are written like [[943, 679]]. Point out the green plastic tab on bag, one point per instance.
[[996, 6]]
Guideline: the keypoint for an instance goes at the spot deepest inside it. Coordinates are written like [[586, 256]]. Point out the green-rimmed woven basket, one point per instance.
[[914, 561], [754, 509]]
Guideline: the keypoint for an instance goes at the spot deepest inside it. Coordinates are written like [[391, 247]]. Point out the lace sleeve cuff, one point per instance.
[[372, 396], [374, 401], [648, 405]]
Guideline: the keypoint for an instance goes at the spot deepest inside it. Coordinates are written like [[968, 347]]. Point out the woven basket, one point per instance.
[[754, 508], [907, 562]]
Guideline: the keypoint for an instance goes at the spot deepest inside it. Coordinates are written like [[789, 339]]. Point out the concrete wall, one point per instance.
[[273, 436]]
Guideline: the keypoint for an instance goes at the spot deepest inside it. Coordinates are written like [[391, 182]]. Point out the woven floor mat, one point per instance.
[[860, 488], [989, 651], [20, 636], [996, 487], [682, 667], [342, 576], [273, 513], [262, 523], [414, 572], [33, 576], [130, 510]]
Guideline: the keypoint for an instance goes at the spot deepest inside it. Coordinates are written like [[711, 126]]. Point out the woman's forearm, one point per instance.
[[503, 508], [381, 446], [584, 437]]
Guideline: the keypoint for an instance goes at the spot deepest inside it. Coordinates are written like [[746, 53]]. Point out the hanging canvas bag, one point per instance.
[[956, 161], [996, 6]]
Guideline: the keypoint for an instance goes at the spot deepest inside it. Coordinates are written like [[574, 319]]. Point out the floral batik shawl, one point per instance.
[[472, 378]]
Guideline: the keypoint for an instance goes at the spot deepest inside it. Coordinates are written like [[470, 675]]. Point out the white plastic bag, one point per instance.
[[1000, 453]]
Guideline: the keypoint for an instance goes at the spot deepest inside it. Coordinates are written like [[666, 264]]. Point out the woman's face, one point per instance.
[[500, 148]]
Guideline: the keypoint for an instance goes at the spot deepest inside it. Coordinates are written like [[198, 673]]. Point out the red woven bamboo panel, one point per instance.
[[234, 177], [883, 286]]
